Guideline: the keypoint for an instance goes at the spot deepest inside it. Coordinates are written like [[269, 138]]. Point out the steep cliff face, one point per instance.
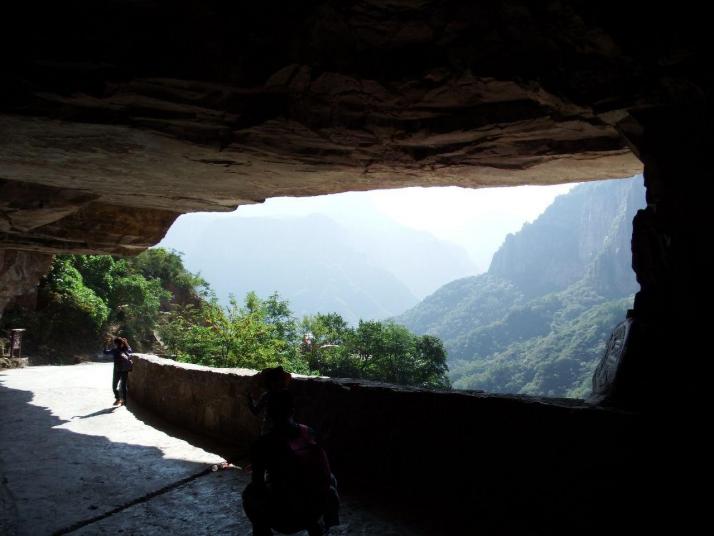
[[610, 270], [583, 236], [586, 231], [538, 320]]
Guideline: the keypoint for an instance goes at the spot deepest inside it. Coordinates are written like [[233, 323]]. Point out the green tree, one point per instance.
[[263, 333], [277, 313], [323, 345], [137, 289], [135, 303], [390, 352], [256, 335], [381, 351], [65, 285], [69, 318], [431, 368], [98, 272], [167, 267]]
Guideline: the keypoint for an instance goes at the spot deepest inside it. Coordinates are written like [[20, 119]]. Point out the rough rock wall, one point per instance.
[[495, 465], [669, 257], [19, 273], [207, 105], [564, 243], [51, 219]]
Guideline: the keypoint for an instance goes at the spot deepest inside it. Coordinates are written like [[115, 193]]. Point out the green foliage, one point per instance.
[[257, 334], [558, 363], [152, 295], [137, 289], [98, 272], [70, 316], [431, 364], [537, 322], [84, 295], [65, 289], [263, 333], [380, 351], [166, 266], [135, 302]]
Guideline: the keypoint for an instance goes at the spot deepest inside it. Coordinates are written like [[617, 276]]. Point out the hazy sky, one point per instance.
[[477, 220]]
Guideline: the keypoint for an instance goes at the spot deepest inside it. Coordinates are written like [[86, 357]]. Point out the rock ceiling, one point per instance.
[[117, 116]]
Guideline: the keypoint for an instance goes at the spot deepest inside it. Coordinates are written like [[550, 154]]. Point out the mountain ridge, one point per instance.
[[542, 285], [317, 264]]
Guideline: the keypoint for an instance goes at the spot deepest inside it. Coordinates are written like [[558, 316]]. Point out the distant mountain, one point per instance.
[[591, 221], [538, 320], [418, 259], [362, 271]]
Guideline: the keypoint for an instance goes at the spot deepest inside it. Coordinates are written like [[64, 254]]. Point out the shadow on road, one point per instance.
[[104, 411], [228, 452], [52, 477]]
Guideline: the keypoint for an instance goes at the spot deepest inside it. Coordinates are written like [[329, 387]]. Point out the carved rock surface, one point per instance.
[[169, 108]]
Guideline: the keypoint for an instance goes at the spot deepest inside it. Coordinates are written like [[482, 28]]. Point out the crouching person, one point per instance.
[[292, 488]]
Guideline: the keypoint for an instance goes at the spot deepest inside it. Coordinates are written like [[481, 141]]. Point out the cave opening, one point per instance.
[[533, 318]]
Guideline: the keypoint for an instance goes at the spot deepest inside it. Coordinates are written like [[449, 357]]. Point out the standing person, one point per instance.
[[122, 365]]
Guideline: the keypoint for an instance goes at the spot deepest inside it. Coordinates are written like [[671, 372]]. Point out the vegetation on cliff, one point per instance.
[[538, 321], [159, 306], [264, 333], [83, 297]]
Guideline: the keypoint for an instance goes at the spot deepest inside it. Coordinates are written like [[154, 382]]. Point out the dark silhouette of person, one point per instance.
[[264, 385], [292, 487], [122, 365]]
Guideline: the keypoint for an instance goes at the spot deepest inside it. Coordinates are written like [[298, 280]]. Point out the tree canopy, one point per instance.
[[160, 306]]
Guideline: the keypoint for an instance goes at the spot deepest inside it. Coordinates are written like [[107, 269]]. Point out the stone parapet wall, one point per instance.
[[429, 449], [201, 399]]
